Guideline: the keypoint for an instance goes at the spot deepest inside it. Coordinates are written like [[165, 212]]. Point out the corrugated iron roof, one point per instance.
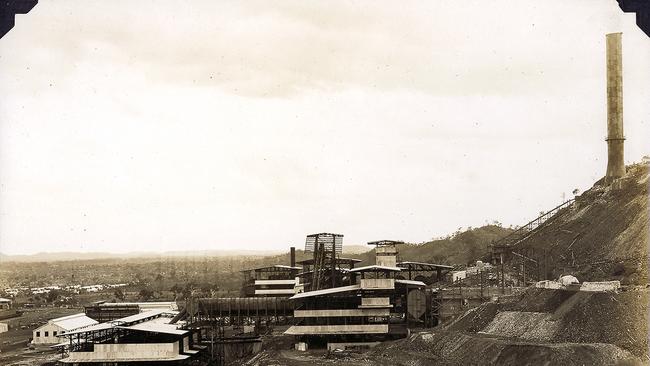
[[72, 322], [433, 265], [156, 328], [326, 291], [410, 282], [92, 328], [142, 315], [375, 267]]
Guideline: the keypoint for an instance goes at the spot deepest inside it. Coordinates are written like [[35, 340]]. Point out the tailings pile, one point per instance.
[[537, 326]]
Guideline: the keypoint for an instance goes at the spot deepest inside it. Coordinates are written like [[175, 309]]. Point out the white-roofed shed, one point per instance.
[[48, 333]]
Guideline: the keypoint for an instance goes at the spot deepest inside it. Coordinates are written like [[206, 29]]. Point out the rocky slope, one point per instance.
[[538, 327], [603, 236]]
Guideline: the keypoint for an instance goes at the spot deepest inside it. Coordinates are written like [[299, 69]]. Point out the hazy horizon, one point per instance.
[[348, 250], [159, 126]]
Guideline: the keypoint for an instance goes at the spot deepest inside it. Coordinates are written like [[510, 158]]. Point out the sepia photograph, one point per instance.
[[324, 182]]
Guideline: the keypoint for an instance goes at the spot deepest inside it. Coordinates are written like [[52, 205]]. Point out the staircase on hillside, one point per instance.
[[502, 248]]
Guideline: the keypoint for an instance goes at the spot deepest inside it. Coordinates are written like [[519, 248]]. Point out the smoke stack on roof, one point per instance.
[[615, 137], [293, 256]]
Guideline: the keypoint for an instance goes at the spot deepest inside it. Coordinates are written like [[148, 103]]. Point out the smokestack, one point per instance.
[[293, 256], [615, 137]]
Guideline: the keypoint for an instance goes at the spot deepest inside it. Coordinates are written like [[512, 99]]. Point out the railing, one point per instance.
[[523, 232]]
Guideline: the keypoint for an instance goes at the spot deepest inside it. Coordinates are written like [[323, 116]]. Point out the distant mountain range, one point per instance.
[[68, 256]]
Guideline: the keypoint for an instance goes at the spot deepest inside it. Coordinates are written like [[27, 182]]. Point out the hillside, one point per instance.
[[603, 236], [461, 248]]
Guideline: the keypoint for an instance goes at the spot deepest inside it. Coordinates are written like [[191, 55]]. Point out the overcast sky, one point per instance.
[[178, 125]]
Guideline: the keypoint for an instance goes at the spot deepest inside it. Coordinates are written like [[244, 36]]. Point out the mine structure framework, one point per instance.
[[325, 248], [125, 341], [222, 322], [501, 250], [418, 270], [277, 280], [236, 311]]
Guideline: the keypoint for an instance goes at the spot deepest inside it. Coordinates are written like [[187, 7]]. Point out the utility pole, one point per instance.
[[481, 273], [212, 343], [333, 262], [545, 263], [503, 277]]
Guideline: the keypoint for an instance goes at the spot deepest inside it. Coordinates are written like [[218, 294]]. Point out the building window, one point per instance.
[[54, 333], [38, 334], [47, 334]]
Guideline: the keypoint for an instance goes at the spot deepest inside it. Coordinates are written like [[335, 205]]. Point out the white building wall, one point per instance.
[[377, 283], [128, 351], [40, 337], [289, 291], [386, 260], [339, 313], [338, 329], [458, 275], [375, 302]]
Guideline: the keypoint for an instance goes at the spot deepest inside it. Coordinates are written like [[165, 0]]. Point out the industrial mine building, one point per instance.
[[325, 299], [277, 280], [346, 306], [139, 339]]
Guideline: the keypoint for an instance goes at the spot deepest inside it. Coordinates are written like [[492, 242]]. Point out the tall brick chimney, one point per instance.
[[615, 137]]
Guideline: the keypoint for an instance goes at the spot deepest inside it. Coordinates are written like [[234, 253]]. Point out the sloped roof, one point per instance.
[[171, 305], [74, 321], [92, 328], [326, 291], [148, 320], [275, 268], [410, 282], [310, 261], [375, 267], [155, 327], [141, 316], [343, 270], [424, 265]]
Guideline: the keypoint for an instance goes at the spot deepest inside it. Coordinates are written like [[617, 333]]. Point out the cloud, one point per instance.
[[253, 123], [280, 49]]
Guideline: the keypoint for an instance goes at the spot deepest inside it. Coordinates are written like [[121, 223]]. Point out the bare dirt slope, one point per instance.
[[457, 348], [604, 236], [538, 326], [565, 316]]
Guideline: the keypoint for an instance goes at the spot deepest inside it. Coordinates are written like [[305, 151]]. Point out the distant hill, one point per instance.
[[458, 249], [69, 256], [355, 249]]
